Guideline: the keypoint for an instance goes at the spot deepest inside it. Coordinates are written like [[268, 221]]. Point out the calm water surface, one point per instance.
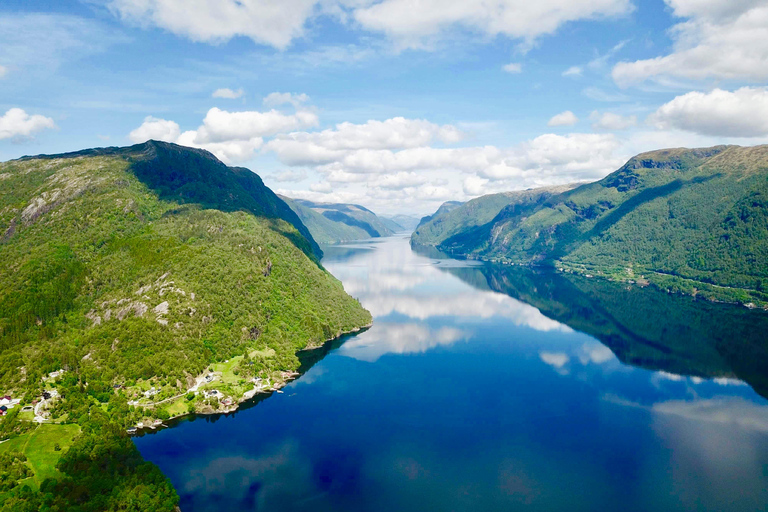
[[482, 388]]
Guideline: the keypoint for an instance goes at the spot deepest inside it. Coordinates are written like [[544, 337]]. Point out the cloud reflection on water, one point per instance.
[[397, 338], [395, 280]]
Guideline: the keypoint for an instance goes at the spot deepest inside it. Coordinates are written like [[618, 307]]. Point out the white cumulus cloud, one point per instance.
[[611, 122], [573, 71], [278, 22], [335, 144], [400, 180], [474, 185], [720, 39], [276, 99], [556, 359], [290, 175], [228, 93], [551, 159], [154, 128], [231, 136], [271, 22], [323, 187], [516, 19], [513, 67], [566, 118], [221, 125], [17, 124], [741, 113]]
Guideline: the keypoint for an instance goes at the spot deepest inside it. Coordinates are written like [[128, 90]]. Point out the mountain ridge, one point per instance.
[[340, 222], [691, 220], [131, 274]]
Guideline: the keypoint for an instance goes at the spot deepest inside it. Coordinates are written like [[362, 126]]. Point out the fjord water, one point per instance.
[[486, 388]]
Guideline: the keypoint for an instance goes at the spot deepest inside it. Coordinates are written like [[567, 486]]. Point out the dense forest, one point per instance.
[[138, 268], [694, 221], [465, 219]]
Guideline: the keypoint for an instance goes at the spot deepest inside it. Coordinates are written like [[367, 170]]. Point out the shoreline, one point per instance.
[[711, 292], [251, 397]]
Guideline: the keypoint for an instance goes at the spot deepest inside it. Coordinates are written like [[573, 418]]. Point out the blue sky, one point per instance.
[[395, 104]]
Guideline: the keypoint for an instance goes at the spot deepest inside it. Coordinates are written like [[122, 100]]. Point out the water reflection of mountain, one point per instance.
[[644, 327]]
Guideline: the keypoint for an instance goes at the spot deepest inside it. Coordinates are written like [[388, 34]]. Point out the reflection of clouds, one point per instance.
[[377, 282], [392, 338], [555, 359], [588, 353], [713, 454], [726, 411], [394, 279], [723, 381], [716, 452], [595, 353], [660, 376], [312, 376], [479, 305], [279, 480]]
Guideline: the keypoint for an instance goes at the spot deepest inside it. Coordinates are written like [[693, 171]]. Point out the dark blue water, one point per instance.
[[482, 388]]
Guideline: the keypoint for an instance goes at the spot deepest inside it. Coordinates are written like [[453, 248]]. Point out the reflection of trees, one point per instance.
[[644, 327]]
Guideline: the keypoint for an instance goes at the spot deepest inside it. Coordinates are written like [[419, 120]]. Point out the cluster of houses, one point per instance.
[[152, 392], [55, 375], [7, 403]]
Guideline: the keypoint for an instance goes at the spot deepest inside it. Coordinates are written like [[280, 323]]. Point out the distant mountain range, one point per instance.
[[691, 220], [406, 222], [338, 222]]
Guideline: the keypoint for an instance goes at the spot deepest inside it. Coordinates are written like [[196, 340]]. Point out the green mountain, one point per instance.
[[643, 326], [444, 208], [686, 220], [140, 267], [337, 222], [455, 218]]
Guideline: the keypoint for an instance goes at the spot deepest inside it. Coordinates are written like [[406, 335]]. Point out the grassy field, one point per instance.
[[39, 447]]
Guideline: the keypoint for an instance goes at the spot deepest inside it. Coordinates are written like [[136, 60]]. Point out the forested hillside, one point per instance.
[[691, 220], [139, 267], [444, 208], [337, 222], [463, 218]]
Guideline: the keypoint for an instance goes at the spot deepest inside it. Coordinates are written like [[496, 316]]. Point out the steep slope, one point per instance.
[[691, 220], [137, 268], [338, 222], [444, 208], [465, 217], [98, 239], [323, 229]]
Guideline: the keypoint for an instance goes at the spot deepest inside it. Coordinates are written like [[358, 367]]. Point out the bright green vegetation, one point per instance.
[[97, 469], [694, 221], [14, 470], [139, 267], [332, 223], [39, 448], [643, 325], [464, 219]]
